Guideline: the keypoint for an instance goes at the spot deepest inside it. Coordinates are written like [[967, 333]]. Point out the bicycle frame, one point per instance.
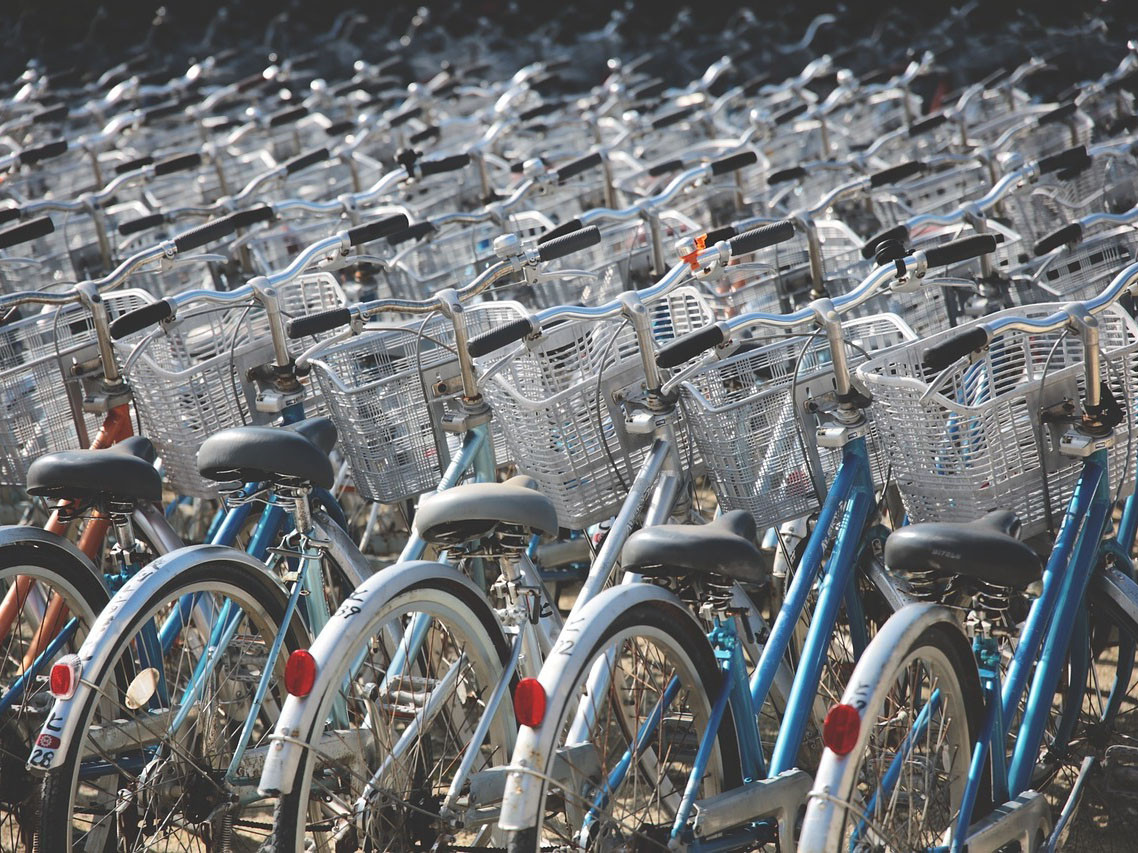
[[846, 511], [1056, 617]]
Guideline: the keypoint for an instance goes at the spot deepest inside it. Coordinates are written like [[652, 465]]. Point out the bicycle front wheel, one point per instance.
[[151, 769]]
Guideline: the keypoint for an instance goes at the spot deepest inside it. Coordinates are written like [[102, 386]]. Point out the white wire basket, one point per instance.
[[190, 380], [388, 390], [559, 400], [754, 416], [977, 440], [780, 274], [1085, 270], [40, 395]]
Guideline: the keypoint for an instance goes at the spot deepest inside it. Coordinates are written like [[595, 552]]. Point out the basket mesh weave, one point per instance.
[[189, 380], [978, 442], [750, 419], [40, 399], [558, 398], [382, 391]]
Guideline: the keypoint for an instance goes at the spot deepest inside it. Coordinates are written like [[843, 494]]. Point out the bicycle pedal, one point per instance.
[[1121, 766]]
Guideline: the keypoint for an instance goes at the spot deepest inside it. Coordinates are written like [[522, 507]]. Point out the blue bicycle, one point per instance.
[[957, 716]]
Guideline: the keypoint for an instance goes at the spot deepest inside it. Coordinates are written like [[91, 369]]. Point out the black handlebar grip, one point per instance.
[[761, 237], [716, 234], [539, 111], [411, 232], [960, 250], [878, 75], [287, 116], [31, 156], [665, 167], [203, 234], [576, 167], [503, 336], [734, 162], [1072, 158], [141, 318], [897, 232], [925, 125], [405, 116], [431, 132], [1072, 232], [321, 321], [254, 81], [252, 215], [339, 128], [26, 231], [784, 175], [131, 165], [752, 86], [141, 224], [1058, 114], [671, 118], [374, 230], [893, 174], [443, 164], [567, 227], [161, 111], [177, 163], [649, 90], [445, 88], [686, 347], [303, 161], [788, 115], [49, 114], [9, 214], [941, 355], [559, 247]]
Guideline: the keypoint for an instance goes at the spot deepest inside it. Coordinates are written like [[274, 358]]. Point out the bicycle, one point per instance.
[[951, 704]]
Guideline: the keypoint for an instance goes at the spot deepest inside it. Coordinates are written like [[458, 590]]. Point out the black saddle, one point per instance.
[[475, 510], [987, 550], [122, 474], [724, 547], [296, 454]]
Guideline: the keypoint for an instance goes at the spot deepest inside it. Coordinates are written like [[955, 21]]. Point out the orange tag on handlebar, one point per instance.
[[691, 259]]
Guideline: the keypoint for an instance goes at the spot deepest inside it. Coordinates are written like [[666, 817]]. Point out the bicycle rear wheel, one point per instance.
[[621, 782], [137, 782], [900, 786], [46, 574]]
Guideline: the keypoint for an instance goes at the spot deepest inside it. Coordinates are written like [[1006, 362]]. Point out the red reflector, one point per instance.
[[529, 702], [64, 677], [840, 728], [300, 673]]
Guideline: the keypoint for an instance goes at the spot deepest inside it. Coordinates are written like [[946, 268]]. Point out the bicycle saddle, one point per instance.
[[987, 550], [297, 453], [474, 510], [725, 546], [121, 474]]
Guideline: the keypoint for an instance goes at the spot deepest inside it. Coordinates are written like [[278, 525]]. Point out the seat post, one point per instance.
[[302, 512]]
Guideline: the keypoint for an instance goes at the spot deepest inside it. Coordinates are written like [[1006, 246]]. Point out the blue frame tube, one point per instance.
[[845, 482], [1040, 613], [16, 691], [1058, 640], [839, 574]]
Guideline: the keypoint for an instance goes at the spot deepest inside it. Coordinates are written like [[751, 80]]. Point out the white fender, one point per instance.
[[355, 619], [19, 534], [535, 746], [97, 651], [835, 772]]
